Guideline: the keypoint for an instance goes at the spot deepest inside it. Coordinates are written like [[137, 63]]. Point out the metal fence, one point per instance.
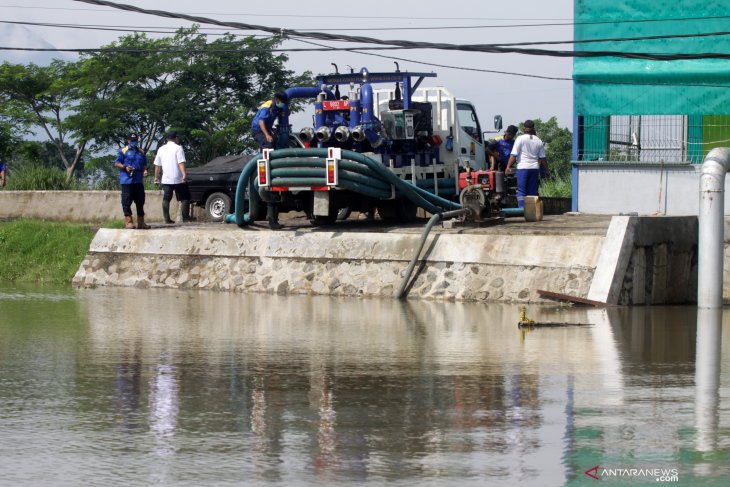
[[651, 139]]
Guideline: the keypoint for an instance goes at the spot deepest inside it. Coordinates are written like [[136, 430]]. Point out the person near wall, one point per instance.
[[529, 154], [132, 164], [171, 172], [3, 174]]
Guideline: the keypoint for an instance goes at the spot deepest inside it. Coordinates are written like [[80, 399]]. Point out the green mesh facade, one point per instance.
[[607, 87]]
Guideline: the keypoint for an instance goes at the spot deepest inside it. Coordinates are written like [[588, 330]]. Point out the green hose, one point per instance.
[[240, 217], [426, 230], [357, 172], [425, 199]]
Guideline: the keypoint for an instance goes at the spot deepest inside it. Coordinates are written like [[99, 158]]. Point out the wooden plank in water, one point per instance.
[[572, 299]]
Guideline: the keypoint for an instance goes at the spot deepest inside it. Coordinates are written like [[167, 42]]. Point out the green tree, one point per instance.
[[207, 91], [38, 97]]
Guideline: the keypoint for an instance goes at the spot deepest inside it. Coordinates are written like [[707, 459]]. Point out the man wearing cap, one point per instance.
[[529, 153], [170, 164], [261, 128], [132, 164], [500, 148], [263, 122]]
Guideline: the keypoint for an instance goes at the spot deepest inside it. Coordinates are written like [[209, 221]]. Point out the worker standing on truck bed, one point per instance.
[[529, 153], [500, 148], [261, 130]]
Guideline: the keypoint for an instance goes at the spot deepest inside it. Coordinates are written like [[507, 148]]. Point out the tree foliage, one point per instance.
[[39, 97], [207, 91]]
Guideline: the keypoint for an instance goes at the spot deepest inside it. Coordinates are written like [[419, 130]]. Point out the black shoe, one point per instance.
[[169, 222], [274, 225]]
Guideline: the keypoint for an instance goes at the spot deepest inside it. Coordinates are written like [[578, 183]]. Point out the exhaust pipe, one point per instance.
[[307, 134], [342, 134], [323, 134]]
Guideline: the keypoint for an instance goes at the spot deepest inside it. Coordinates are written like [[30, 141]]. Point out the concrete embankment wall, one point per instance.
[[76, 206], [638, 261], [461, 267]]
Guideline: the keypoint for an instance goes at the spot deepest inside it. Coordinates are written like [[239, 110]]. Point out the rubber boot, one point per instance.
[[166, 212], [141, 225], [128, 222], [185, 208], [272, 216]]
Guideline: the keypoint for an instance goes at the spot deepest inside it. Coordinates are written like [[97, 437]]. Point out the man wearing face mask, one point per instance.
[[261, 129], [132, 164]]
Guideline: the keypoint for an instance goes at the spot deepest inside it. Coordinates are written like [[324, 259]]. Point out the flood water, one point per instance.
[[138, 387]]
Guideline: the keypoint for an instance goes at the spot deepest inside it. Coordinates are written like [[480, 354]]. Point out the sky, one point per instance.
[[516, 98]]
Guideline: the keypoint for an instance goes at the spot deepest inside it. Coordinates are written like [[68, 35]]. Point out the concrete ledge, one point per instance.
[[77, 206]]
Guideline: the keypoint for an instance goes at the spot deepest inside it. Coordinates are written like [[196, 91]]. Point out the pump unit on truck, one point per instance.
[[379, 141]]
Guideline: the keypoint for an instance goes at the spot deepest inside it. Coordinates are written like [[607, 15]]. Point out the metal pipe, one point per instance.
[[342, 133], [712, 228]]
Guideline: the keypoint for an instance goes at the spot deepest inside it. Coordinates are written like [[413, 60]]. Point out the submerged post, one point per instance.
[[712, 228]]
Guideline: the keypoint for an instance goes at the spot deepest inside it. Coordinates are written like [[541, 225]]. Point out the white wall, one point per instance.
[[647, 190]]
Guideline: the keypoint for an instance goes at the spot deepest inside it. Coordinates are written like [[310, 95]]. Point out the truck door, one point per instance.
[[470, 141]]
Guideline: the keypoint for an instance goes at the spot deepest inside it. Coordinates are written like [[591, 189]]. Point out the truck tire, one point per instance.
[[217, 206]]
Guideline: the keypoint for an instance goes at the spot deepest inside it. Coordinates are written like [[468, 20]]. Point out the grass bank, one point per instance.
[[41, 251]]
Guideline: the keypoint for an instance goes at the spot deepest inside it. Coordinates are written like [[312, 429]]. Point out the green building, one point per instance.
[[648, 121]]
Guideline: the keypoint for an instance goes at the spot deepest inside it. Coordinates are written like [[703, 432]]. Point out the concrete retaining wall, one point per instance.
[[461, 267], [639, 261], [77, 206]]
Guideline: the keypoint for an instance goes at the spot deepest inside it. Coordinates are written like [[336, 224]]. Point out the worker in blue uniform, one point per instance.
[[500, 148], [132, 164], [262, 131], [3, 174], [263, 122]]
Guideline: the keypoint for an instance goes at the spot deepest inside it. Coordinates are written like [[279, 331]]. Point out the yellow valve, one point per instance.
[[524, 320]]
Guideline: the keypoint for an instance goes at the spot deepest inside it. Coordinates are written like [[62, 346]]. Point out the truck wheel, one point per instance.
[[217, 206]]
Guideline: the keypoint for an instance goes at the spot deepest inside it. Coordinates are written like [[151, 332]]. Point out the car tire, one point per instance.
[[217, 206]]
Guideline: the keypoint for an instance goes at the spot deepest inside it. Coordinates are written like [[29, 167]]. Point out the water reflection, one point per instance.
[[299, 390], [707, 383]]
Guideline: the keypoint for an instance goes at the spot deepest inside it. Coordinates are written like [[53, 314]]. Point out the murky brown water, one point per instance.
[[131, 387]]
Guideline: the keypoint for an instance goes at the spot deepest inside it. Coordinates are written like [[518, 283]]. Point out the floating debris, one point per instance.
[[527, 323]]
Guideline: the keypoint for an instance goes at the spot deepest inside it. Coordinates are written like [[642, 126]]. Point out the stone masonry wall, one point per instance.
[[457, 267]]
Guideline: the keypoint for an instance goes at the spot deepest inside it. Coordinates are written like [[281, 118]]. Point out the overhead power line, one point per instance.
[[412, 18], [489, 48], [149, 30]]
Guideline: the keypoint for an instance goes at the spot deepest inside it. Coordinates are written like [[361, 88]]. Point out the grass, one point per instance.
[[556, 187], [39, 178], [42, 252]]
